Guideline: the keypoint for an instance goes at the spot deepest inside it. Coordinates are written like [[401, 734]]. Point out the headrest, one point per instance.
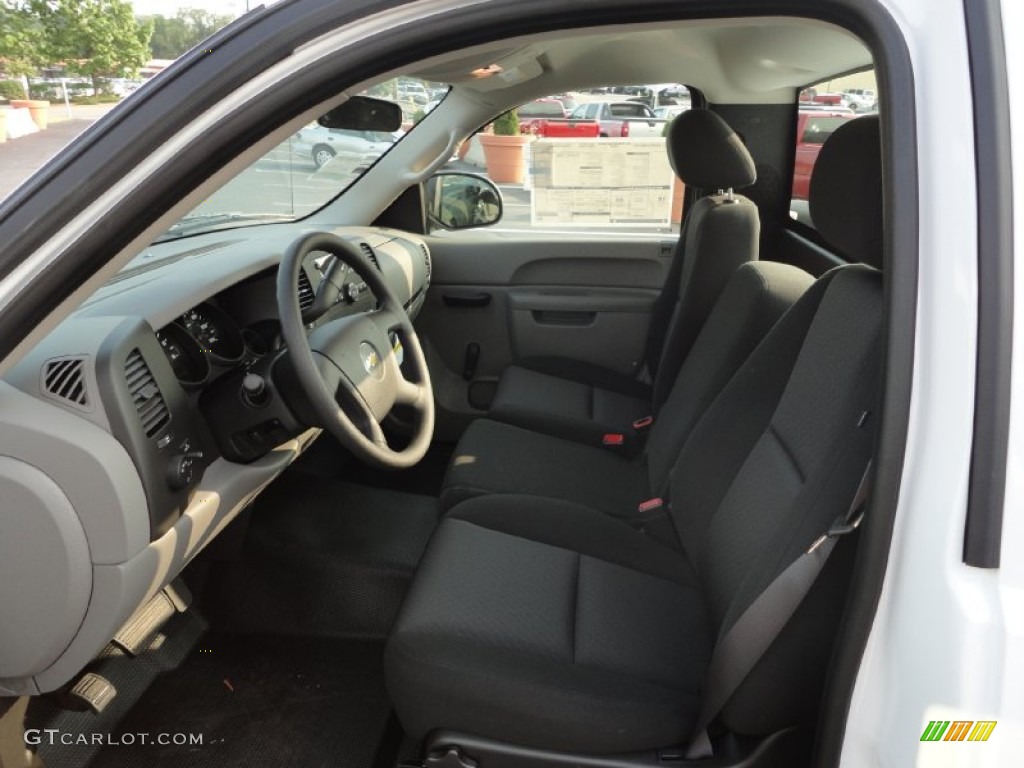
[[706, 153], [846, 190]]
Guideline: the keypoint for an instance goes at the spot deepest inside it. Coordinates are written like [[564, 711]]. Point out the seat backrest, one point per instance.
[[755, 297], [720, 232], [778, 455]]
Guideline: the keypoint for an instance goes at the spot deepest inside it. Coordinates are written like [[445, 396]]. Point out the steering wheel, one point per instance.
[[347, 367]]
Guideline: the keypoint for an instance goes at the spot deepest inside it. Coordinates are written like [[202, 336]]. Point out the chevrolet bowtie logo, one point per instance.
[[371, 359]]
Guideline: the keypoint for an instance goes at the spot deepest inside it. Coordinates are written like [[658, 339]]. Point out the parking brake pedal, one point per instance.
[[134, 637], [92, 691]]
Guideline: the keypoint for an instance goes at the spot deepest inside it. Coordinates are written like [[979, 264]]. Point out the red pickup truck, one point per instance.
[[812, 128], [565, 128], [547, 118]]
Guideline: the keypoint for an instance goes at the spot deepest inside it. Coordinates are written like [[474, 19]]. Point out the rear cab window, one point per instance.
[[822, 108]]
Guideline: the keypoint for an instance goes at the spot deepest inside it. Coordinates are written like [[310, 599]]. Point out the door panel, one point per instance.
[[603, 326], [497, 298]]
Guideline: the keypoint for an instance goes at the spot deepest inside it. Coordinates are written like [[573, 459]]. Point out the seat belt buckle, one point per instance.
[[840, 527], [613, 439], [643, 423], [647, 506]]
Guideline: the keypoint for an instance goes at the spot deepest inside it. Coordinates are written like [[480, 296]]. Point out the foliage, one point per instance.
[[507, 124], [11, 89], [420, 114], [96, 38], [172, 36], [20, 39]]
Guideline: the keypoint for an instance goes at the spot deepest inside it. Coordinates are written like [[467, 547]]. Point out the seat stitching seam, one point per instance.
[[502, 532], [787, 451], [576, 606]]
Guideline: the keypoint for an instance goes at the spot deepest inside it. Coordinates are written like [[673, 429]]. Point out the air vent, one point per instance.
[[146, 397], [426, 259], [368, 253], [306, 295], [64, 379]]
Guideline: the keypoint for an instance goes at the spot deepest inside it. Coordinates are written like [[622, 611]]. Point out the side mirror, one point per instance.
[[363, 113], [462, 200]]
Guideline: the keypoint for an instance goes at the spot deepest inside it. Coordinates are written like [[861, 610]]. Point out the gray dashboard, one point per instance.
[[96, 421]]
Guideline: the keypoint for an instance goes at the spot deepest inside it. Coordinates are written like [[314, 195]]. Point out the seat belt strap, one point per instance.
[[747, 640]]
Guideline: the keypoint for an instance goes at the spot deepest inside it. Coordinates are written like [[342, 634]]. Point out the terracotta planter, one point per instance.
[[40, 110], [3, 125], [506, 163]]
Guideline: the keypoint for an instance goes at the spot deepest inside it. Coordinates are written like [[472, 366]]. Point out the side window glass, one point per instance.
[[584, 162]]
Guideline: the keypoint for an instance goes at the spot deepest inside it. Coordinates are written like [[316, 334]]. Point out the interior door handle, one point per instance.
[[467, 299]]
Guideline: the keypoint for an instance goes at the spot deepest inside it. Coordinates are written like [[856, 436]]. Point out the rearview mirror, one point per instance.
[[462, 200], [363, 113]]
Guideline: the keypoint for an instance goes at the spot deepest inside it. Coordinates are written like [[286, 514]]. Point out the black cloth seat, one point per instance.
[[720, 232], [579, 633], [543, 623], [494, 457]]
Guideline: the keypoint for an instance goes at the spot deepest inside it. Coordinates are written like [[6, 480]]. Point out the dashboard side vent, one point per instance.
[[426, 259], [146, 397], [368, 253], [64, 380], [306, 295]]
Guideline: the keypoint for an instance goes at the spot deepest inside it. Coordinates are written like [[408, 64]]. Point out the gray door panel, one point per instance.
[[497, 298], [603, 326]]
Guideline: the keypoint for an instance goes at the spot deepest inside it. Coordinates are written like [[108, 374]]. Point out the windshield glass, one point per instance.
[[309, 169]]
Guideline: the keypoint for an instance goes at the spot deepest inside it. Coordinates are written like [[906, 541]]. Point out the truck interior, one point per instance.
[[520, 498]]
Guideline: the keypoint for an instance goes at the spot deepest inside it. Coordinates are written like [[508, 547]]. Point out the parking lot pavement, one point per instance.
[[20, 158]]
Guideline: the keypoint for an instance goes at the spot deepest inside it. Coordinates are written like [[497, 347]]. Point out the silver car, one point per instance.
[[322, 145]]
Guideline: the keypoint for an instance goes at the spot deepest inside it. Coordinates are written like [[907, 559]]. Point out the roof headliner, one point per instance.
[[753, 60]]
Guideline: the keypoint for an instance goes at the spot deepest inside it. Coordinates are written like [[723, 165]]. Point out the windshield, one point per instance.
[[307, 170]]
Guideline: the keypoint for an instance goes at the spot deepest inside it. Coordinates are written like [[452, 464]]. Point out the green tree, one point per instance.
[[20, 39], [99, 39], [189, 27]]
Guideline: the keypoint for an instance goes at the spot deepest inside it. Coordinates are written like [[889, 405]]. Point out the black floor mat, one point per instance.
[[327, 459], [323, 557], [262, 701]]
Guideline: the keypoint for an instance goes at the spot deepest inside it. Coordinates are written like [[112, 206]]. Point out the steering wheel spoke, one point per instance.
[[388, 320]]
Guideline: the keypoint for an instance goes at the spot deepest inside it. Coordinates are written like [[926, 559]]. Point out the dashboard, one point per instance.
[[142, 409]]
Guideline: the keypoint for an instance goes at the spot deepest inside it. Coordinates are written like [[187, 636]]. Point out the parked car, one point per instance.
[[539, 108], [322, 145], [670, 111], [621, 119], [564, 128], [813, 127], [860, 99]]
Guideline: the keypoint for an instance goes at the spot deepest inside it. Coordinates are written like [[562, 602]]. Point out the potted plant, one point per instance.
[[503, 150], [38, 109]]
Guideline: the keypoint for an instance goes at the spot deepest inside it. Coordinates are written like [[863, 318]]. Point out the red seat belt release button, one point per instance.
[[613, 438], [647, 506], [643, 423]]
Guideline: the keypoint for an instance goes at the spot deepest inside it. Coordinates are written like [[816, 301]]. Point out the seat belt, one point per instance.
[[747, 640]]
